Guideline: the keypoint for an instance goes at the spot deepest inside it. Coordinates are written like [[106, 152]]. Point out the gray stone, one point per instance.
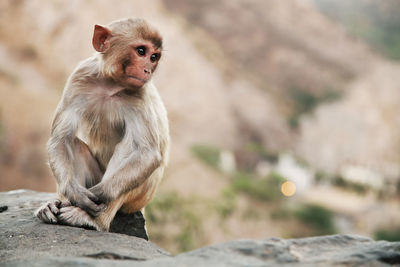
[[129, 224], [25, 241], [25, 238]]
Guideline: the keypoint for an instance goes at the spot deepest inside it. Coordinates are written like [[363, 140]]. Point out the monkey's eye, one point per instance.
[[141, 50], [154, 57]]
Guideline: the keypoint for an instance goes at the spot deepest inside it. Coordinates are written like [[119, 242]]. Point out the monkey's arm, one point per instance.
[[64, 157], [130, 165]]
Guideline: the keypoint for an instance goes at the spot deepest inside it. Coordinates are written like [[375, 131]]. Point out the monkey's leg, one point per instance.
[[126, 205], [75, 216], [86, 167], [133, 201], [88, 173], [105, 218]]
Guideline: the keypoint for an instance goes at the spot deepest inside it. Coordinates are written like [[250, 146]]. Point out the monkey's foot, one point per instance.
[[129, 224], [48, 212], [74, 216]]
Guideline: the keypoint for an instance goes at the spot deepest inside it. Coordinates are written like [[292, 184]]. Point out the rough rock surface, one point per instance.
[[24, 241], [129, 224]]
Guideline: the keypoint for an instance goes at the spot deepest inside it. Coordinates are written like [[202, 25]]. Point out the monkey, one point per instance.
[[109, 139]]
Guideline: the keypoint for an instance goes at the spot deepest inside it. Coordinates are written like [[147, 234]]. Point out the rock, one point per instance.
[[129, 224], [314, 251], [24, 238], [24, 241]]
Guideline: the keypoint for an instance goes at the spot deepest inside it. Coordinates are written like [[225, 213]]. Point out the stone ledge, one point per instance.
[[25, 241]]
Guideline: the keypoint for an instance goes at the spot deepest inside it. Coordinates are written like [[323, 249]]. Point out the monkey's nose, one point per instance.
[[147, 71]]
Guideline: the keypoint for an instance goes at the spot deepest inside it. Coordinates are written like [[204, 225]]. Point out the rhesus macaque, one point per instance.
[[110, 137]]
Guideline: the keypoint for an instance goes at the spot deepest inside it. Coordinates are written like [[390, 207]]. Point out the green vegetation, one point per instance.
[[243, 181], [186, 238], [266, 188], [351, 186], [263, 153], [339, 181], [317, 217], [281, 214], [177, 220], [175, 210], [398, 188], [227, 204], [306, 102], [208, 154], [321, 177], [309, 219], [388, 234], [377, 22]]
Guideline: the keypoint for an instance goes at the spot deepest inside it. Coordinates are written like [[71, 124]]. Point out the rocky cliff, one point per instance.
[[24, 241]]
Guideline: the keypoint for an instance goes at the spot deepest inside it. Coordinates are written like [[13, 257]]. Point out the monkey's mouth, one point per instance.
[[136, 78]]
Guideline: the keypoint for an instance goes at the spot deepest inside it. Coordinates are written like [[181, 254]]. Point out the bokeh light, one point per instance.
[[288, 189]]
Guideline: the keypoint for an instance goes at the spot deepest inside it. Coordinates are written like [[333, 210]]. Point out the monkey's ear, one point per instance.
[[101, 38]]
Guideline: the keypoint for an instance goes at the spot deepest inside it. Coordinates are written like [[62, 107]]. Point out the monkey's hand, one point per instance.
[[101, 193], [84, 199]]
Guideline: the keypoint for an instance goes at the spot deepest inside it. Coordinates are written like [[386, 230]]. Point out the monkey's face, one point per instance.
[[141, 63], [130, 51]]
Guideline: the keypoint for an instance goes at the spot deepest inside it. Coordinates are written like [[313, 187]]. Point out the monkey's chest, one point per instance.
[[101, 129]]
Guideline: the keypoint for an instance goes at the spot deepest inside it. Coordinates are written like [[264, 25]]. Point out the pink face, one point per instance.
[[142, 63], [141, 60]]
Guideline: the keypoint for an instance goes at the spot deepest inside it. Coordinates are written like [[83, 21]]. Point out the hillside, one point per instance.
[[304, 65]]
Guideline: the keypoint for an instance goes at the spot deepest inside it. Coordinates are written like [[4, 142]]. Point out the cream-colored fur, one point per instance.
[[108, 142]]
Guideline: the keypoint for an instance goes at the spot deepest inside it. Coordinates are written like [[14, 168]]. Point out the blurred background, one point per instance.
[[284, 115]]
